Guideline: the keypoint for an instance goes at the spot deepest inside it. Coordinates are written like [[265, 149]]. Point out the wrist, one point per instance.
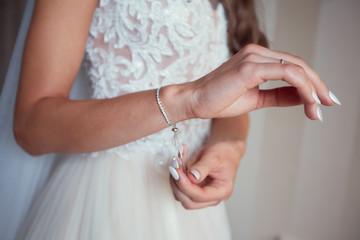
[[237, 148], [240, 146], [233, 146], [175, 100], [228, 150]]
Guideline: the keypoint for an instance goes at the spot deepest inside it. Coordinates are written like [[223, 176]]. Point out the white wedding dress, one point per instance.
[[124, 192]]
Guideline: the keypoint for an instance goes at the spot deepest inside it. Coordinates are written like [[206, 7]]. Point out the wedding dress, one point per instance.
[[124, 192]]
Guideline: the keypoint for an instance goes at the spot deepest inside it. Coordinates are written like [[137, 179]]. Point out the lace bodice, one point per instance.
[[136, 45]]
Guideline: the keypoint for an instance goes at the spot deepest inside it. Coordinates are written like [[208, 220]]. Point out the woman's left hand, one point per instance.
[[210, 178]]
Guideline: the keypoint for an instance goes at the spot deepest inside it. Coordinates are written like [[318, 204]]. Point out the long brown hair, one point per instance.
[[243, 25]]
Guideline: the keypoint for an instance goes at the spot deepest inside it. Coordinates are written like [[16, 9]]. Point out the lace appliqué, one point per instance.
[[140, 45]]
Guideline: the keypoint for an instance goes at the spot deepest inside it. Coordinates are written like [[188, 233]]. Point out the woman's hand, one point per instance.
[[233, 88], [210, 178]]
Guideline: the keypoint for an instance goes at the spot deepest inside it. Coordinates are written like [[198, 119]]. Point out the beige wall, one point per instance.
[[300, 179]]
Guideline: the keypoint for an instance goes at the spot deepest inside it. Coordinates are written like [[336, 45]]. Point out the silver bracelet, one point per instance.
[[161, 106], [174, 129]]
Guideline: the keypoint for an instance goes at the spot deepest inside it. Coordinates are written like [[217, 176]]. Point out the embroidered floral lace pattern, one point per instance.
[[136, 45]]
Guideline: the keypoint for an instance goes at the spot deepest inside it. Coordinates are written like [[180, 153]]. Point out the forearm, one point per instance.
[[57, 124], [233, 130]]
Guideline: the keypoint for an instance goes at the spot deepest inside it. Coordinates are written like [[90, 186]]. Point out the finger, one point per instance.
[[257, 58], [201, 169], [219, 186], [181, 159], [322, 91], [173, 188], [215, 190], [186, 201], [178, 163], [284, 100], [183, 156], [278, 97], [212, 191], [292, 74], [283, 97]]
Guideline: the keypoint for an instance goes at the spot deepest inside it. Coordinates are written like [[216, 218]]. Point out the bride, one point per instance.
[[111, 180]]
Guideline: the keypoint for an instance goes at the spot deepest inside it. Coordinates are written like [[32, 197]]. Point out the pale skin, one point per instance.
[[46, 120]]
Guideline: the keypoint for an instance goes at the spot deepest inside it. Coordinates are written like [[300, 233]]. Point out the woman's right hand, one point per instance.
[[233, 88]]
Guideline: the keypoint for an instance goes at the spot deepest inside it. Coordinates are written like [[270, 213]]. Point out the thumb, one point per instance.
[[202, 168]]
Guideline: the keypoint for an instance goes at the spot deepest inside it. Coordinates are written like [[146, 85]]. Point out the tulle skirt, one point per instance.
[[107, 196]]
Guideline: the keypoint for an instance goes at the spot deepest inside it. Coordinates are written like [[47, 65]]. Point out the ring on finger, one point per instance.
[[282, 61]]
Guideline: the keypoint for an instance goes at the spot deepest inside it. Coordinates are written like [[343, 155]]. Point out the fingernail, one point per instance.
[[196, 174], [175, 163], [173, 173], [316, 98], [334, 98], [319, 114]]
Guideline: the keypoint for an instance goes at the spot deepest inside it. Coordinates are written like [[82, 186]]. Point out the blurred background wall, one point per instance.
[[300, 179], [11, 12]]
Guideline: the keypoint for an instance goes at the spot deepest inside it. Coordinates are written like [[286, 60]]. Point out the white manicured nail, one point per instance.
[[319, 113], [334, 98], [316, 98], [175, 163], [196, 174], [181, 149], [173, 173]]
